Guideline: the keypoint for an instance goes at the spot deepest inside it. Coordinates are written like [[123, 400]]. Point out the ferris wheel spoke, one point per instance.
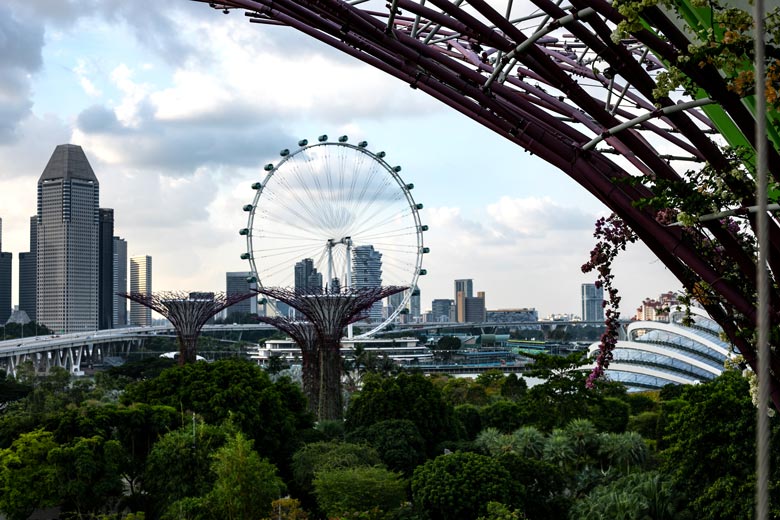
[[324, 201]]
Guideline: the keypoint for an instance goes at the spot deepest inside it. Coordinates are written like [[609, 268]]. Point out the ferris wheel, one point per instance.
[[331, 216]]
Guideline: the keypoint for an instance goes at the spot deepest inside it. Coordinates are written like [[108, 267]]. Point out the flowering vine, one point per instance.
[[613, 236]]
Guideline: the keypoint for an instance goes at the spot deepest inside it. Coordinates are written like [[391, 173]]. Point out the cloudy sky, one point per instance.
[[179, 109]]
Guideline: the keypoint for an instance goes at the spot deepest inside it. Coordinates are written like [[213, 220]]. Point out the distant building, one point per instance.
[[441, 310], [463, 289], [367, 272], [306, 276], [5, 280], [106, 269], [512, 315], [592, 302], [414, 304], [395, 300], [27, 275], [657, 310], [67, 242], [475, 309], [119, 282], [237, 282], [140, 282]]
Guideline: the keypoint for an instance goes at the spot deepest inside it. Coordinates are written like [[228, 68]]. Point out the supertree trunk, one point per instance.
[[329, 314], [305, 336]]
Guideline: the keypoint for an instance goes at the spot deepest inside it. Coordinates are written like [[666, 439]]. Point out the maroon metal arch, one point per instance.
[[554, 82]]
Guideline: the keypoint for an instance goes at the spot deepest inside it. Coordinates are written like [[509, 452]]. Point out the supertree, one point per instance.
[[650, 106], [304, 334], [188, 312], [327, 314]]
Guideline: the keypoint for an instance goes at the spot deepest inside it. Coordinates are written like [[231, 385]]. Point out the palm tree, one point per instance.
[[528, 442]]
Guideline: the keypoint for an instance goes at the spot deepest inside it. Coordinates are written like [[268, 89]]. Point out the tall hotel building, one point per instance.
[[238, 283], [592, 302], [119, 282], [367, 272], [106, 269], [140, 282], [5, 280], [67, 242], [27, 276]]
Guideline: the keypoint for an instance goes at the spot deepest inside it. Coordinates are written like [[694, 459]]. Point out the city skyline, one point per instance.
[[178, 143]]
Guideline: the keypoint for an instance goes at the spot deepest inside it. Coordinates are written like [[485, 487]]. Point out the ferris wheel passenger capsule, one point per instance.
[[381, 155], [247, 207], [303, 142], [268, 167], [322, 138], [362, 144], [343, 139], [396, 169], [424, 227], [410, 186], [243, 232], [245, 256], [285, 152], [256, 185], [423, 272], [419, 206], [426, 250]]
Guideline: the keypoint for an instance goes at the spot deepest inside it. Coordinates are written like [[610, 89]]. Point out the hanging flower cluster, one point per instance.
[[613, 236]]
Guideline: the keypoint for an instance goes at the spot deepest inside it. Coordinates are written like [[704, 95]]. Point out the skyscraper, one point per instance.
[[106, 269], [119, 284], [592, 302], [238, 283], [475, 309], [463, 289], [414, 303], [140, 282], [306, 276], [67, 242], [5, 280], [367, 272], [27, 274]]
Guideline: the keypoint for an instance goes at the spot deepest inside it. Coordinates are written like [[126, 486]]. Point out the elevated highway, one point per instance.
[[78, 349]]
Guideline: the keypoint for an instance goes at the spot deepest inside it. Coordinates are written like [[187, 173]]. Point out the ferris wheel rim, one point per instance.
[[378, 157]]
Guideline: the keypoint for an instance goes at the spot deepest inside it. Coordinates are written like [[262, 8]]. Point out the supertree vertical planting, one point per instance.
[[328, 315], [188, 312]]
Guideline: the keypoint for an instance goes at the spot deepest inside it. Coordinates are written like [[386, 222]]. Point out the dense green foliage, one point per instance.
[[191, 442]]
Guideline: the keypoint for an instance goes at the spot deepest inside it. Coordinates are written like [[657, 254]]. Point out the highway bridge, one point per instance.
[[79, 349]]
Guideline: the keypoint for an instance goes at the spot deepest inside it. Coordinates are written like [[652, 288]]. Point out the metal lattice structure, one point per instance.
[[558, 80], [188, 312], [328, 315], [304, 334]]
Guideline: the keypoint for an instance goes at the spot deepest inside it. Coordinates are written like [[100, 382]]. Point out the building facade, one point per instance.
[[474, 309], [119, 282], [238, 283], [306, 276], [463, 289], [441, 310], [106, 269], [366, 273], [67, 243], [28, 278], [592, 302], [140, 283]]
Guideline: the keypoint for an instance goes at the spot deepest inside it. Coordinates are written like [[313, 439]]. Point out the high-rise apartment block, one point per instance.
[[28, 279], [592, 302], [106, 269], [366, 273], [140, 282], [238, 283], [119, 282], [5, 280], [414, 304], [306, 276], [463, 289], [67, 242]]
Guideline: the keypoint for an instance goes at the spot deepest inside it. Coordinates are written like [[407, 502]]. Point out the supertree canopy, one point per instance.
[[327, 314], [188, 312], [648, 105]]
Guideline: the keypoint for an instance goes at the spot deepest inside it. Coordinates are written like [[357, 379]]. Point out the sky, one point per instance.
[[178, 109]]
